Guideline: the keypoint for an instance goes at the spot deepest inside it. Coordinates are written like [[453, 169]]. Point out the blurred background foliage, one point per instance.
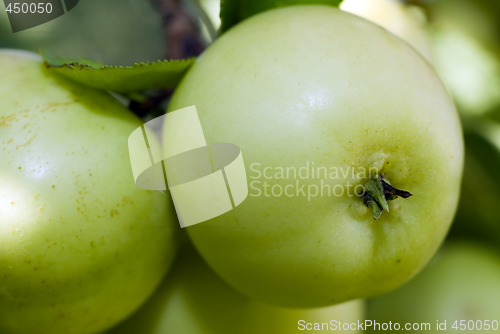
[[466, 44], [115, 32]]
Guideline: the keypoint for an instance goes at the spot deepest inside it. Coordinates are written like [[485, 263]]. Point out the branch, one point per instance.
[[182, 36]]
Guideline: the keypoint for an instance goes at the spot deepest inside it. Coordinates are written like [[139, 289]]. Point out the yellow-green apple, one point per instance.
[[458, 292], [81, 246], [194, 300], [329, 111]]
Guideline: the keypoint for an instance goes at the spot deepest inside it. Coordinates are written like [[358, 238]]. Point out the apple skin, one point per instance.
[[81, 246], [314, 84], [461, 283], [194, 300]]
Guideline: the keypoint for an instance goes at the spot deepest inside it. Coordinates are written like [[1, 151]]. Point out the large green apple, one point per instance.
[[194, 300], [460, 288], [323, 104], [81, 246]]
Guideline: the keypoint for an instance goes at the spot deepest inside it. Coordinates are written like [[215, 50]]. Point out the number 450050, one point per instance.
[[32, 8], [475, 325]]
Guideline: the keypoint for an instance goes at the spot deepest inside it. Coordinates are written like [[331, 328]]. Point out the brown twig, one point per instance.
[[182, 34], [182, 39]]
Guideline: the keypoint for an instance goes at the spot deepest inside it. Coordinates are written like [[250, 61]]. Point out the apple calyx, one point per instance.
[[377, 192]]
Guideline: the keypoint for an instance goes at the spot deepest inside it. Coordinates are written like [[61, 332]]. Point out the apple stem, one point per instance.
[[377, 192]]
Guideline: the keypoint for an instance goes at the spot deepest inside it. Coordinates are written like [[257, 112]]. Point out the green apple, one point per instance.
[[81, 246], [323, 104], [402, 19], [194, 300], [461, 287]]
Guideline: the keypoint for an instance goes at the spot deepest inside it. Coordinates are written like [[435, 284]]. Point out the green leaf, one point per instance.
[[56, 61], [234, 11], [122, 79]]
